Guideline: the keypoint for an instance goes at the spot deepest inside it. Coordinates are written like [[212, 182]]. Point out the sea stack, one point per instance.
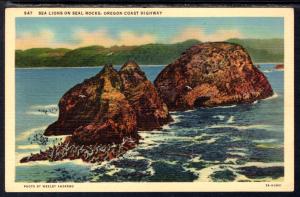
[[279, 67], [96, 111], [110, 106], [151, 111], [212, 74]]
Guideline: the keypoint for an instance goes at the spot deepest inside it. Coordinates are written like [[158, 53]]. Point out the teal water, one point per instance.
[[233, 143]]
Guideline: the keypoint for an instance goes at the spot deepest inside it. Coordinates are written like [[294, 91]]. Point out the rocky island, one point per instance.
[[103, 114], [212, 74], [106, 110]]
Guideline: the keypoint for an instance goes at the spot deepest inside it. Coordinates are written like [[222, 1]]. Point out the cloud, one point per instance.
[[199, 34], [103, 38], [30, 40], [83, 38]]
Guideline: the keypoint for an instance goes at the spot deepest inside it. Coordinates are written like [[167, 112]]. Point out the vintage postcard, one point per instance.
[[149, 99]]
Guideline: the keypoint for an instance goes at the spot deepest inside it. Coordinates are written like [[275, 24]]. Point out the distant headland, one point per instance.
[[261, 50]]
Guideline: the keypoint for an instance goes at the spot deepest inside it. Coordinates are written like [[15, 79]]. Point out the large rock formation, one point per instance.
[[110, 106], [96, 111], [212, 74], [150, 110]]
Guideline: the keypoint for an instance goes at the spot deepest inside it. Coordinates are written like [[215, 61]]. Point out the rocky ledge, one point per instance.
[[212, 74], [104, 110]]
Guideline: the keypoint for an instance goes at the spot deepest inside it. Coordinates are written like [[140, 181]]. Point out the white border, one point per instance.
[[286, 185]]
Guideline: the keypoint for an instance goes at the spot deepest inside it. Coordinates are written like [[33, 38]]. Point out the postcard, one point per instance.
[[149, 99]]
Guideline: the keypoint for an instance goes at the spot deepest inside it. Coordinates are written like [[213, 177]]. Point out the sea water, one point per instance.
[[220, 144]]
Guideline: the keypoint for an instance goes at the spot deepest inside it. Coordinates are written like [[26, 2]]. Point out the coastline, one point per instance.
[[29, 68]]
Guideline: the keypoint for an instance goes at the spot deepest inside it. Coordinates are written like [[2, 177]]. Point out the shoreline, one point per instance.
[[150, 65]]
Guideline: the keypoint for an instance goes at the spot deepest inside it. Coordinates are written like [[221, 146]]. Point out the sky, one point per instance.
[[63, 32]]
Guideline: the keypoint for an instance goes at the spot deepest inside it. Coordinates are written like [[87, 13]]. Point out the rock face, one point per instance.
[[96, 111], [150, 109], [212, 74], [279, 67]]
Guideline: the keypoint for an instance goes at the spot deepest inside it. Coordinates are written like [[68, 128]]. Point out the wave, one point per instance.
[[237, 149], [241, 127], [24, 135], [230, 120], [221, 117], [37, 113], [267, 71], [265, 141], [166, 127], [49, 106], [279, 70], [110, 169], [275, 95], [47, 110], [176, 119], [28, 147], [236, 153], [48, 163], [263, 165], [226, 106], [210, 141], [191, 110]]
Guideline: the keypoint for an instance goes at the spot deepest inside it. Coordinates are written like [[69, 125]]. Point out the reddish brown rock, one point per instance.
[[96, 111], [279, 67], [212, 74], [150, 109]]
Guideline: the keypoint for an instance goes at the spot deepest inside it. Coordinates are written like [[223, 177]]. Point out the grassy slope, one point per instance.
[[267, 50], [270, 50]]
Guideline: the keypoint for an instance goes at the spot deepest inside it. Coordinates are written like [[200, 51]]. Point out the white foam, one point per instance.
[[226, 106], [231, 160], [242, 127], [275, 95], [265, 141], [204, 174], [221, 117], [63, 137], [262, 164], [267, 71], [50, 106], [166, 127], [28, 147], [40, 110], [210, 141], [237, 149], [176, 119], [255, 102], [191, 110], [37, 113], [24, 135], [237, 153], [230, 120]]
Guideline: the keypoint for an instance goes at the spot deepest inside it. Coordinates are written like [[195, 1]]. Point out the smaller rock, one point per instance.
[[279, 67]]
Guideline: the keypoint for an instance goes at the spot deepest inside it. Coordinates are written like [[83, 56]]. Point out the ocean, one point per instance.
[[221, 144]]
